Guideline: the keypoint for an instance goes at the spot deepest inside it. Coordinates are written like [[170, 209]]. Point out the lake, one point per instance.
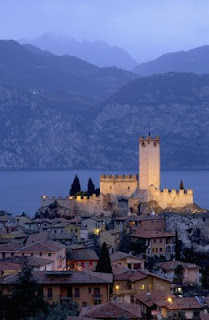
[[21, 190]]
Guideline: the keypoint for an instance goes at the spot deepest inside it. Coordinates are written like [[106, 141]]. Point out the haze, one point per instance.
[[146, 29]]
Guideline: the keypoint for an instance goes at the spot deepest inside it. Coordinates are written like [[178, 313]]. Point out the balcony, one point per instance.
[[97, 297]]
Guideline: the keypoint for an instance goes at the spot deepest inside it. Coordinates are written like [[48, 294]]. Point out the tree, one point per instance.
[[25, 300], [179, 274], [59, 312], [91, 187], [75, 187], [104, 264], [125, 244], [181, 185]]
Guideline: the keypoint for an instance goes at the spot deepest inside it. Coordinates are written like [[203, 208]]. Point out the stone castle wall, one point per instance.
[[119, 185], [149, 162], [83, 206], [171, 198]]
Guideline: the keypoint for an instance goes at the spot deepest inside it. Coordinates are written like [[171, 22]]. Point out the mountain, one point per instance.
[[195, 60], [97, 52], [28, 68], [41, 129]]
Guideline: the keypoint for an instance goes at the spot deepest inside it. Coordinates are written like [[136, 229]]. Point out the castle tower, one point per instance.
[[149, 162]]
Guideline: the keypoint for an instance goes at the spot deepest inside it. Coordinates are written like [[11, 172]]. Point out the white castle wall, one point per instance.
[[171, 198], [119, 185]]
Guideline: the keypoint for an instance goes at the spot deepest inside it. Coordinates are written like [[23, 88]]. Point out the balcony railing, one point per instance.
[[97, 297]]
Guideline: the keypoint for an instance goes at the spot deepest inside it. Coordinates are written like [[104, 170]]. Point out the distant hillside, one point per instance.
[[97, 52], [28, 68], [195, 60], [45, 129]]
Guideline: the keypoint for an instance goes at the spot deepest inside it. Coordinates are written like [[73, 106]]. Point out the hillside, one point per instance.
[[195, 60], [27, 68], [99, 53], [42, 129]]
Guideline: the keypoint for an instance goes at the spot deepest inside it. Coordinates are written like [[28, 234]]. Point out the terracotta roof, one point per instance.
[[10, 247], [43, 246], [118, 269], [204, 316], [171, 265], [32, 261], [140, 233], [120, 256], [61, 225], [112, 310], [185, 303], [75, 220], [64, 277], [37, 237], [155, 297], [5, 265], [137, 275], [82, 254]]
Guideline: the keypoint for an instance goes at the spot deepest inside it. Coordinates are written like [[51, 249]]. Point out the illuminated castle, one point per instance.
[[146, 186]]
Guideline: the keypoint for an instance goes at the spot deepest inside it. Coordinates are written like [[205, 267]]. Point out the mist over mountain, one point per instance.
[[195, 60], [98, 53], [27, 68]]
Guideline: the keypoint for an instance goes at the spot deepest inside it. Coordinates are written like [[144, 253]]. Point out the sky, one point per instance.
[[145, 28]]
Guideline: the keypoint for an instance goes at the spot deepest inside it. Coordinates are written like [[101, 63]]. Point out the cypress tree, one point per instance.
[[91, 187], [104, 264], [181, 185], [75, 187]]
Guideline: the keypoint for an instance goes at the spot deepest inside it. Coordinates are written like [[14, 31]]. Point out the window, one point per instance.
[[49, 254], [128, 188], [77, 292], [110, 187], [161, 249], [31, 254], [156, 249], [143, 144], [40, 254], [3, 255], [76, 230], [161, 240], [23, 254], [154, 240], [49, 293], [89, 290], [155, 144], [84, 304], [12, 254], [97, 292], [141, 287]]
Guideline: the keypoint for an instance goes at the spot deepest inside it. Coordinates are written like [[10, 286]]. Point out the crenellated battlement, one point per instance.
[[117, 177], [171, 198]]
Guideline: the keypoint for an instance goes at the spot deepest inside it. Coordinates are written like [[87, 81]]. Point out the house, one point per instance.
[[9, 249], [112, 239], [111, 310], [149, 222], [71, 229], [131, 283], [159, 305], [80, 259], [191, 271], [46, 249], [14, 264], [87, 288], [93, 225], [126, 260], [39, 224], [157, 242]]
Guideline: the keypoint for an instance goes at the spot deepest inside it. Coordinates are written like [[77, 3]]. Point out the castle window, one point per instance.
[[155, 144], [110, 187], [128, 188], [143, 144]]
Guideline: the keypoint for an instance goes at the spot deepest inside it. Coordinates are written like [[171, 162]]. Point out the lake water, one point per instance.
[[21, 190]]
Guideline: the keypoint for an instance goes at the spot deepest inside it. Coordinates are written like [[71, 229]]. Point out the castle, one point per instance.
[[135, 188]]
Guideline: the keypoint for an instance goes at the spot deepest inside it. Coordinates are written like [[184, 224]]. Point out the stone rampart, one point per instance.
[[171, 198], [119, 185]]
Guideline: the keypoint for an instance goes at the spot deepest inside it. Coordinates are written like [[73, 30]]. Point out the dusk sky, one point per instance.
[[145, 28]]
